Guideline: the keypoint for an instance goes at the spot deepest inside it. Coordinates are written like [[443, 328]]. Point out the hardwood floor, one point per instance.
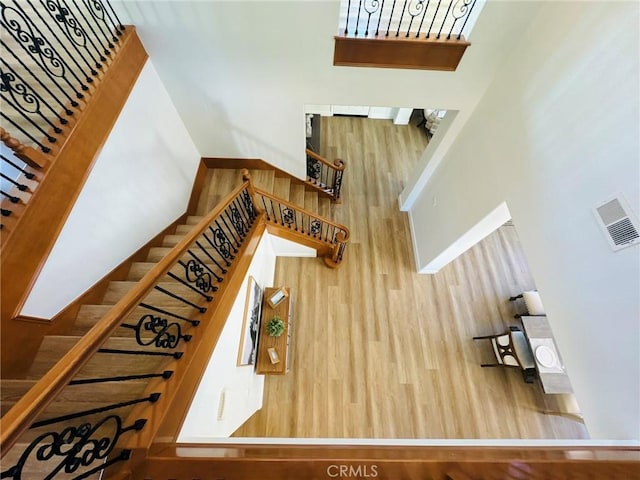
[[380, 351]]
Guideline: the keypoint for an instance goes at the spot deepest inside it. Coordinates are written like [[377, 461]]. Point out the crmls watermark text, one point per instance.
[[352, 471]]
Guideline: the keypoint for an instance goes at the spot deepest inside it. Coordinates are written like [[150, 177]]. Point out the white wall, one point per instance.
[[240, 73], [140, 183], [556, 133], [243, 388]]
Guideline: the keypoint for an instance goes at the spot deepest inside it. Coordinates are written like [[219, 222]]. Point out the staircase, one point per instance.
[[82, 397], [222, 180], [86, 397]]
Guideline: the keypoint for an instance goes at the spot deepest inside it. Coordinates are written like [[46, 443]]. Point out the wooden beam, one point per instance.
[[26, 250], [279, 462], [399, 52]]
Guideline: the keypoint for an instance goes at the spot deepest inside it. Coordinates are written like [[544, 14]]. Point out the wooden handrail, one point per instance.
[[304, 211], [336, 165], [27, 409]]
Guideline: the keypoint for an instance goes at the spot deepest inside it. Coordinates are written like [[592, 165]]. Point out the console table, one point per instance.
[[281, 344]]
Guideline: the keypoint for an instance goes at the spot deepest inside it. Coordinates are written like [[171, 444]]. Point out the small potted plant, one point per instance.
[[275, 327]]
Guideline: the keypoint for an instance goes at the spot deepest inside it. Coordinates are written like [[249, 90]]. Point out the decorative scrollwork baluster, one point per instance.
[[27, 101], [165, 334], [73, 30], [314, 168], [247, 201], [315, 227], [288, 216], [222, 242], [236, 220], [73, 448], [461, 9], [16, 22], [196, 274]]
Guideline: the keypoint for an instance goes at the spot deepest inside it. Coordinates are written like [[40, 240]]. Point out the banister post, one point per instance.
[[334, 260], [337, 180], [246, 177], [27, 154]]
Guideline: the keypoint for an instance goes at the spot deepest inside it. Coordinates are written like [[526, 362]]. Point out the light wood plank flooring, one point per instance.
[[382, 352]]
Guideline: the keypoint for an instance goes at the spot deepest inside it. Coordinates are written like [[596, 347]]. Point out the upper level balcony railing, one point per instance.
[[427, 34]]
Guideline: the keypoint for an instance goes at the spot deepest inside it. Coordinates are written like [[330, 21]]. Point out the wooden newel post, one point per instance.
[[28, 155], [334, 260], [246, 177]]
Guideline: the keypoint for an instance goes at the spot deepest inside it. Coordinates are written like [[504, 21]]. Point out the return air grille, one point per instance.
[[618, 223]]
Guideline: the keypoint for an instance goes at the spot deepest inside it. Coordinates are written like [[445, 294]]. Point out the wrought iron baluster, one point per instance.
[[106, 50], [413, 14], [97, 11], [288, 217], [393, 6], [72, 102], [208, 298], [204, 250], [215, 247], [374, 8], [76, 447], [401, 17], [380, 17], [71, 28], [358, 19], [315, 227], [444, 19], [463, 11], [243, 214], [119, 23], [337, 184], [346, 27], [118, 351], [62, 46], [11, 198], [248, 204], [433, 19], [44, 148], [237, 242], [207, 267], [31, 121], [178, 297], [273, 211], [195, 323], [265, 207], [194, 273], [25, 98], [21, 186], [165, 334], [122, 378], [40, 50], [63, 418], [222, 242], [236, 220], [424, 14], [28, 175]]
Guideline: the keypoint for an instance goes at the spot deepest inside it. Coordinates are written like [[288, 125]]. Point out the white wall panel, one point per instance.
[[140, 183]]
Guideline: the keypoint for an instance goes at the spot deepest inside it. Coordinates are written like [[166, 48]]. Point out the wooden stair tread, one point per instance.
[[282, 187], [263, 179], [89, 315], [118, 289], [13, 390], [102, 364]]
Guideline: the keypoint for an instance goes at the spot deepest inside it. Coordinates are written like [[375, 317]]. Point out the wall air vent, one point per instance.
[[617, 222]]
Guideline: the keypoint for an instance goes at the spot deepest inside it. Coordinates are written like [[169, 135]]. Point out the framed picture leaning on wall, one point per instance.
[[250, 324]]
